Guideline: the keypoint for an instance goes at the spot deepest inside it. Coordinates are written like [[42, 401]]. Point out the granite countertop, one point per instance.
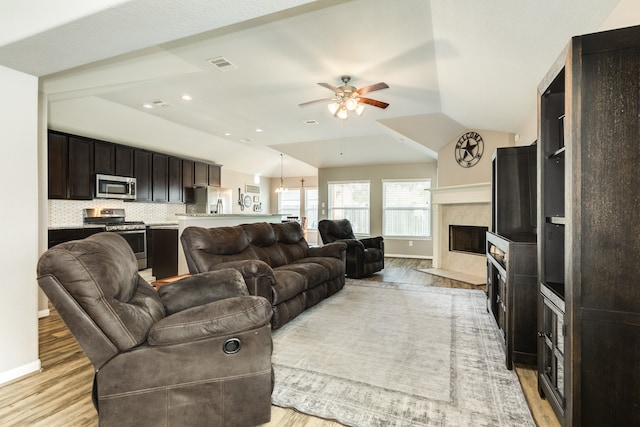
[[205, 215], [74, 226], [164, 224]]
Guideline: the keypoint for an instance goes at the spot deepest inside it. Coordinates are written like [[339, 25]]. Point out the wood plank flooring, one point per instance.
[[60, 395]]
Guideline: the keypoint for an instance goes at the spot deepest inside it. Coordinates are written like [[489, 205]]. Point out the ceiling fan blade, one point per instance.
[[371, 88], [373, 102], [304, 104], [331, 87]]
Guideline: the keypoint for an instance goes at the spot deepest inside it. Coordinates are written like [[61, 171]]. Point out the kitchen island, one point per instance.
[[214, 220]]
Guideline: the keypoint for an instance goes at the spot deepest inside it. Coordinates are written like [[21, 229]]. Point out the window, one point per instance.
[[406, 208], [289, 202], [350, 200], [311, 207]]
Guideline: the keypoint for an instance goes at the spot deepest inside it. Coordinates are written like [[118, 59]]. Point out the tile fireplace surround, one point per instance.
[[459, 205]]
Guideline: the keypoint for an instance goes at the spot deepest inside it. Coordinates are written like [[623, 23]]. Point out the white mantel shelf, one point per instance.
[[472, 193]]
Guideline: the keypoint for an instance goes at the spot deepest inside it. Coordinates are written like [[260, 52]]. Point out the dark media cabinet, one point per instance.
[[589, 231], [512, 295], [511, 252]]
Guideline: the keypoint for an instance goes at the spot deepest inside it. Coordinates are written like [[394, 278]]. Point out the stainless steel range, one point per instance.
[[113, 220]]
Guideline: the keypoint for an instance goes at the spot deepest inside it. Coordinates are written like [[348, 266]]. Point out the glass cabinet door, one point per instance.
[[552, 354]]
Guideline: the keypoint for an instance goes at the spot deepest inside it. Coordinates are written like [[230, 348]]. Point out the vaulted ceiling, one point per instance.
[[451, 65]]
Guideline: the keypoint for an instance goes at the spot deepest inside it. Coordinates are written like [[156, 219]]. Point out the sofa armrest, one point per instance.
[[373, 242], [335, 250], [201, 289], [257, 274], [223, 317]]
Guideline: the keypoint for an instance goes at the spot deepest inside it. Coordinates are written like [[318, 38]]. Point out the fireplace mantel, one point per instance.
[[472, 194]]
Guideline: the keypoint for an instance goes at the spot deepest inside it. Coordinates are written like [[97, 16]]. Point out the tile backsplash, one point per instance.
[[64, 213]]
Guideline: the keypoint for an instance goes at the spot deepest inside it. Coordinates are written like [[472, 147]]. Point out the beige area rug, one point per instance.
[[388, 354]]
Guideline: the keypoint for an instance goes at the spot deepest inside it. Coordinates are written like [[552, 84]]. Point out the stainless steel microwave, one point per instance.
[[115, 187]]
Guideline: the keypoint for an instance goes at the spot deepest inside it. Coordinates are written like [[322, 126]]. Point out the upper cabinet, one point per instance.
[[58, 155], [175, 180], [214, 175], [81, 175], [124, 160], [201, 174], [160, 189], [142, 169], [73, 162], [104, 158]]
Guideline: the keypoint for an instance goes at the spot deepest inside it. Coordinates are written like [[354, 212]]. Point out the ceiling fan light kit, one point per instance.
[[348, 98]]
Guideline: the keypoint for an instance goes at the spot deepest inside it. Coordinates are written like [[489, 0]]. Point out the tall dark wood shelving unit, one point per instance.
[[589, 231]]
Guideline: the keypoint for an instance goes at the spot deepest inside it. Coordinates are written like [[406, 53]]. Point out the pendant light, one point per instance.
[[281, 187]]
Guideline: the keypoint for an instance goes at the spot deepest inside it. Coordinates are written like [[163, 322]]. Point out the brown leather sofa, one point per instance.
[[195, 353], [275, 261], [364, 256]]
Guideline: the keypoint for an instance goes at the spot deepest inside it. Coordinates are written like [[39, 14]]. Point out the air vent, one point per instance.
[[311, 122], [253, 189], [160, 103], [222, 63]]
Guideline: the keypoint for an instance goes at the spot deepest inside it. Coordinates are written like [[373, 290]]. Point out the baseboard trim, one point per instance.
[[408, 256], [20, 371], [43, 313]]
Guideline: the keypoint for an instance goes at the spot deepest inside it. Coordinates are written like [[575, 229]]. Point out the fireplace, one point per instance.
[[468, 205], [467, 238]]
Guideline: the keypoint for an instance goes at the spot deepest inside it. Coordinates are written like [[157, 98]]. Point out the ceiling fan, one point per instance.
[[349, 98]]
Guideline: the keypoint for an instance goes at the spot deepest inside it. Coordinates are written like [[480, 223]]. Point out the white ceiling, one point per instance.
[[451, 65]]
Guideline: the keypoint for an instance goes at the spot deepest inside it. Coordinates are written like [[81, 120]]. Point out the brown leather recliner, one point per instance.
[[197, 352], [364, 256]]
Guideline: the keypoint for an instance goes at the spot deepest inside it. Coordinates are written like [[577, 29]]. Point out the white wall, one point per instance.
[[19, 216]]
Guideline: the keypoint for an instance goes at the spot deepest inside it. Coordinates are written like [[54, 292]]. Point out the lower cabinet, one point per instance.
[[164, 252], [512, 295], [551, 375], [61, 235]]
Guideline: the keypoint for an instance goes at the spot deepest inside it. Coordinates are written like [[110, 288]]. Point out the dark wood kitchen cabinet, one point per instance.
[[214, 176], [74, 160], [112, 159], [588, 228], [160, 190], [104, 155], [70, 163], [142, 171], [81, 176], [200, 174], [124, 161], [58, 165], [175, 180]]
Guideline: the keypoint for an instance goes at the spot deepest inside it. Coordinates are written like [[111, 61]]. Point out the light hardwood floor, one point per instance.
[[60, 395]]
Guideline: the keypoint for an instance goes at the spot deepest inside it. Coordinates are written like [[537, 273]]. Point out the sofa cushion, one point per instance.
[[313, 273], [333, 266], [288, 284]]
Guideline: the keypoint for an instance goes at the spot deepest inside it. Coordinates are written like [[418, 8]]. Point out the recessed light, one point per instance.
[[186, 97], [147, 106], [258, 130], [227, 134]]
